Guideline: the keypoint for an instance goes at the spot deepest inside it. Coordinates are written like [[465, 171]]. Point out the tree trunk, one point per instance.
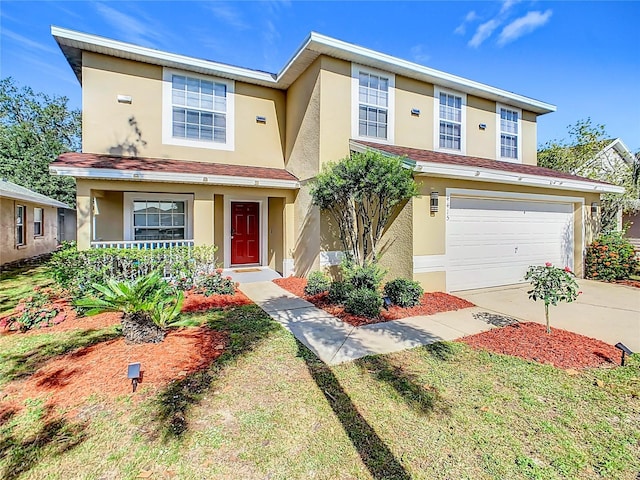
[[139, 328], [546, 314]]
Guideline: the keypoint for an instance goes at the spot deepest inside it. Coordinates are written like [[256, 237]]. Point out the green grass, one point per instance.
[[268, 408], [18, 282]]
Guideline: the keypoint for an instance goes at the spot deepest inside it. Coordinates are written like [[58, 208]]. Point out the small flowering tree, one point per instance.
[[553, 285]]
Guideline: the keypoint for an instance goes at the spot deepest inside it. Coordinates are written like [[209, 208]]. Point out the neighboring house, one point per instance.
[[183, 150], [28, 223]]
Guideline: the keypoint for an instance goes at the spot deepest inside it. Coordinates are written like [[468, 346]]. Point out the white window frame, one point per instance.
[[167, 112], [355, 104], [23, 224], [499, 156], [436, 120], [127, 214], [41, 222]]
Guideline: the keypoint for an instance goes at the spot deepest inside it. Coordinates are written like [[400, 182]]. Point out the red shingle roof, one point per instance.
[[92, 160], [451, 159]]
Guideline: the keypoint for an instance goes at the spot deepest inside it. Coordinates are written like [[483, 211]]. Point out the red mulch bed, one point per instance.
[[629, 283], [195, 302], [101, 369], [561, 348], [430, 303]]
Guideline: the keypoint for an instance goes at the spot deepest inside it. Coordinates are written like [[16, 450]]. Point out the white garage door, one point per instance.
[[492, 241]]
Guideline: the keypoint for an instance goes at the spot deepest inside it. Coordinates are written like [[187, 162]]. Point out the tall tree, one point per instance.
[[34, 129], [580, 156], [362, 192]]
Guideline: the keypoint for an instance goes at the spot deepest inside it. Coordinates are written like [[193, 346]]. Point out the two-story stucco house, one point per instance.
[[180, 149]]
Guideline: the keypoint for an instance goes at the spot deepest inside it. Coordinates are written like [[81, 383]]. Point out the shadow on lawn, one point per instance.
[[246, 326], [57, 436], [424, 399], [375, 454], [26, 364]]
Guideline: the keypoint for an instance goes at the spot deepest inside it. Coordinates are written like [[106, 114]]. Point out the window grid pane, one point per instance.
[[159, 220], [37, 221], [508, 133], [196, 103], [450, 121], [20, 231]]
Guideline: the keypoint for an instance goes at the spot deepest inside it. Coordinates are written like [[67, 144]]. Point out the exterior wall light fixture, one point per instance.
[[125, 99], [482, 126], [594, 209], [133, 373], [415, 112], [260, 119], [433, 203]]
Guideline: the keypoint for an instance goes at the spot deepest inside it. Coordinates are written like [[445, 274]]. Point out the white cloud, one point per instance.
[[27, 42], [228, 14], [507, 4], [523, 25], [140, 29], [469, 17], [483, 32], [419, 54]]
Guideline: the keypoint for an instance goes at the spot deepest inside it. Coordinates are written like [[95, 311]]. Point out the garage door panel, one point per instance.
[[492, 242]]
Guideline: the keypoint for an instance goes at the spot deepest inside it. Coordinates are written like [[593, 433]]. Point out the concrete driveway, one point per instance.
[[609, 312]]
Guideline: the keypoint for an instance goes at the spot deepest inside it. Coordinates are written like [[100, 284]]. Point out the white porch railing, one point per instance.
[[143, 244]]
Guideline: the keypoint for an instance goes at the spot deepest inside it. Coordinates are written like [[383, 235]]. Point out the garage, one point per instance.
[[491, 241]]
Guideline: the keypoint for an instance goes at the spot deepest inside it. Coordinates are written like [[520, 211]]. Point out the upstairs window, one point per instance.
[[450, 125], [38, 215], [21, 231], [509, 131], [198, 111], [373, 95]]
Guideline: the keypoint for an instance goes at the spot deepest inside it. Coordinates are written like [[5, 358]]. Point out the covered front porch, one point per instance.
[[252, 227]]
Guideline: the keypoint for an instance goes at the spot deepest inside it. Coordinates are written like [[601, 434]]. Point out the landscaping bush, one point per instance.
[[403, 292], [317, 283], [364, 302], [36, 311], [339, 292], [78, 270], [369, 277], [215, 284], [610, 257]]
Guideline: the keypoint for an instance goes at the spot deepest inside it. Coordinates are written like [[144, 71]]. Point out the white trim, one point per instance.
[[314, 45], [171, 177], [500, 176], [167, 112], [355, 104], [436, 121], [331, 258], [499, 134], [127, 211], [264, 227], [429, 263]]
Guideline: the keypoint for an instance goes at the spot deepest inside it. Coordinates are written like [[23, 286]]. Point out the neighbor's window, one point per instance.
[[159, 220], [38, 215], [373, 112], [509, 133], [450, 113], [21, 233], [199, 109]]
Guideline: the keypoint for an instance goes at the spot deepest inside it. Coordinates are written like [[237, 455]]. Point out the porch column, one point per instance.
[[203, 212], [84, 216]]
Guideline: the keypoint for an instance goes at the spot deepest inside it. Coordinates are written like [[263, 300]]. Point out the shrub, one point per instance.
[[78, 270], [36, 311], [339, 292], [215, 284], [364, 302], [369, 277], [317, 283], [553, 285], [403, 292], [610, 257]]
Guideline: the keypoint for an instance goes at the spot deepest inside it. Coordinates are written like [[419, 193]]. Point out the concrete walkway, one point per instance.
[[606, 311], [335, 341]]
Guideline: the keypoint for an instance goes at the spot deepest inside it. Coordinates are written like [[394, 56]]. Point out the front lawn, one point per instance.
[[268, 408], [18, 282]]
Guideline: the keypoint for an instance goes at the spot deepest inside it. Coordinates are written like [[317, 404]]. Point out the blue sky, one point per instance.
[[583, 57]]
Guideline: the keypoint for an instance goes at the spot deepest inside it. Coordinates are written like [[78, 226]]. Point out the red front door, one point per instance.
[[245, 233]]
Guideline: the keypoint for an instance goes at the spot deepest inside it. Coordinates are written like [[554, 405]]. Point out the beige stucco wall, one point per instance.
[[276, 234], [132, 129], [414, 131], [429, 231], [529, 138], [34, 246], [481, 143]]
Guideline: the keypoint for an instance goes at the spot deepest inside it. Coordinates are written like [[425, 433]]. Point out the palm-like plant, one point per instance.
[[148, 305]]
